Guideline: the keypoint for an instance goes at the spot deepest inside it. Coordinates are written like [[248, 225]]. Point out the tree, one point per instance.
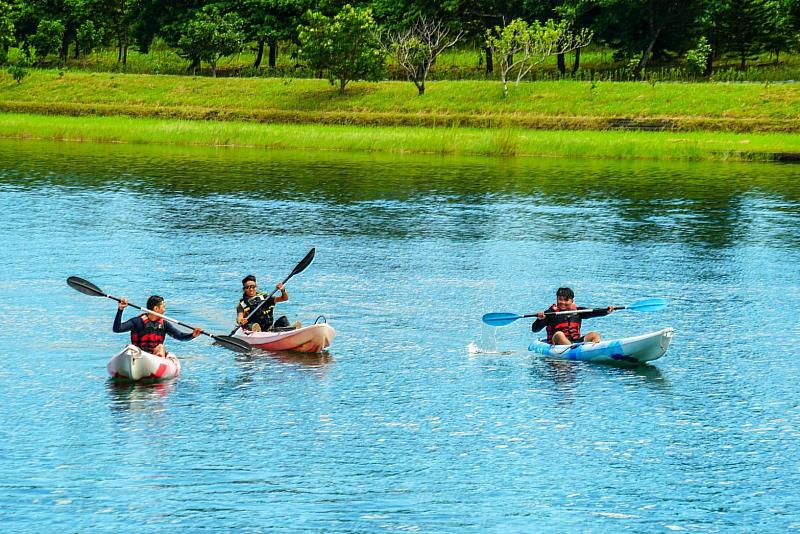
[[520, 46], [6, 31], [417, 48], [210, 36], [267, 22], [47, 39], [649, 28], [746, 27], [347, 47]]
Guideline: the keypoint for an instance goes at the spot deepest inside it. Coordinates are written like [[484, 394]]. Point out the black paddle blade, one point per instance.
[[84, 286], [231, 343], [305, 262]]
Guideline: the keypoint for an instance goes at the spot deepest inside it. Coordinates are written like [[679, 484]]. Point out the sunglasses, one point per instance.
[[250, 286]]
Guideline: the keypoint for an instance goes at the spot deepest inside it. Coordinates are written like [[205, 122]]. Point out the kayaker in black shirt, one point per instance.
[[148, 330], [262, 320], [565, 329]]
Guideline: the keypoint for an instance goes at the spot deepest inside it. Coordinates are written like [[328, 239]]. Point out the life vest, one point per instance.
[[264, 314], [569, 323], [151, 335]]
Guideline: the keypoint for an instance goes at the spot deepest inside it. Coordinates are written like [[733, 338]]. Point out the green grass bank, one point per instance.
[[405, 139], [562, 118]]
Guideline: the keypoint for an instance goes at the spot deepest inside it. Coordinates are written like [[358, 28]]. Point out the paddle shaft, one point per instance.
[[264, 301], [567, 312], [170, 319], [299, 268]]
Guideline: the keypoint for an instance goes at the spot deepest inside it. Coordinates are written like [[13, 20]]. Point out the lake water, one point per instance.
[[418, 419]]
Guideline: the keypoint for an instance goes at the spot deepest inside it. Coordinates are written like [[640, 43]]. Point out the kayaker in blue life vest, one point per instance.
[[262, 320], [565, 329], [148, 330]]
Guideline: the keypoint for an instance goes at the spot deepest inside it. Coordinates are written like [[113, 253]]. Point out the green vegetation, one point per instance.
[[401, 139], [541, 105]]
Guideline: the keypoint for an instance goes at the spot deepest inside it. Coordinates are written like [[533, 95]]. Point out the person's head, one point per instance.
[[564, 298], [156, 304], [249, 285]]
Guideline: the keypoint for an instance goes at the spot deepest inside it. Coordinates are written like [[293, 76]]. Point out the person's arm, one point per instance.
[[539, 323], [600, 312], [284, 296], [177, 334], [127, 326], [240, 317]]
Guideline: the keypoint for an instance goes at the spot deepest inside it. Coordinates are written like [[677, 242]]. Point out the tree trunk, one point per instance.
[[505, 87], [562, 67], [710, 62], [577, 64], [62, 56], [273, 54], [646, 53], [489, 62], [125, 54], [259, 53]]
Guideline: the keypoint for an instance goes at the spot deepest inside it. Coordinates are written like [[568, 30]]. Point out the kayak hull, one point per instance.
[[635, 350], [134, 364], [313, 338]]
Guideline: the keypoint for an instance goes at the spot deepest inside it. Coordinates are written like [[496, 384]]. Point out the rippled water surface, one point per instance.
[[403, 425]]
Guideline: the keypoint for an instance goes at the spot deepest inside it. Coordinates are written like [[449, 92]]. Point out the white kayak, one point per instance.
[[637, 349], [314, 338], [132, 363]]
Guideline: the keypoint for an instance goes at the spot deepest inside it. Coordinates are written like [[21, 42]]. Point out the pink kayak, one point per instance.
[[314, 338], [132, 363]]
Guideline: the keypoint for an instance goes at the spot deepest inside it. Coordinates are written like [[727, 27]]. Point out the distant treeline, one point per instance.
[[352, 38]]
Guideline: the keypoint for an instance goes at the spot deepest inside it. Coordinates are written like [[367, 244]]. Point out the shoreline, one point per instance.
[[568, 119], [441, 141]]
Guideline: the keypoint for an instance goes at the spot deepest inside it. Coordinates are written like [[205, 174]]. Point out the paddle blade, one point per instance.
[[231, 343], [500, 318], [305, 262], [84, 286], [649, 305]]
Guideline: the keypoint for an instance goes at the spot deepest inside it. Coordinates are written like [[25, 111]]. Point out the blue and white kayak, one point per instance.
[[637, 349]]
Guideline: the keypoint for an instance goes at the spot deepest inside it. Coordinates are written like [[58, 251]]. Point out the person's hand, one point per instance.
[[611, 309], [279, 286], [123, 303], [540, 315], [196, 332], [242, 320]]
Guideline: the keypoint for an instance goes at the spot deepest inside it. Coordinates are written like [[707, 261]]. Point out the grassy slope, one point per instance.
[[460, 111]]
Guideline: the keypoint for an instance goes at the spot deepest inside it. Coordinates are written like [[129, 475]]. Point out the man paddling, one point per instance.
[[262, 319], [565, 329], [148, 331]]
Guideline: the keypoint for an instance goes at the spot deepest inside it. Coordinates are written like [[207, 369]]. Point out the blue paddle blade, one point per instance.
[[648, 305], [500, 318]]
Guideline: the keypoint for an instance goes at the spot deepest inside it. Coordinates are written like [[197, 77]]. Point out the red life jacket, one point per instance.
[[569, 323], [151, 336]]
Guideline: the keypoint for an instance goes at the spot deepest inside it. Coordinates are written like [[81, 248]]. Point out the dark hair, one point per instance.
[[154, 301], [248, 278], [565, 293]]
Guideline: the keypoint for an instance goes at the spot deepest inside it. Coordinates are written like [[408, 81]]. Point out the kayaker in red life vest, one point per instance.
[[565, 329], [148, 331], [262, 320]]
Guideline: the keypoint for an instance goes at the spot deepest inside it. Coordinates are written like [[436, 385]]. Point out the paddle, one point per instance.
[[88, 288], [299, 268], [503, 319]]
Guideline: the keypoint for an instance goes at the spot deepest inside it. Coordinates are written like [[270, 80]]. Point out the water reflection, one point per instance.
[[708, 206], [128, 396], [565, 377]]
